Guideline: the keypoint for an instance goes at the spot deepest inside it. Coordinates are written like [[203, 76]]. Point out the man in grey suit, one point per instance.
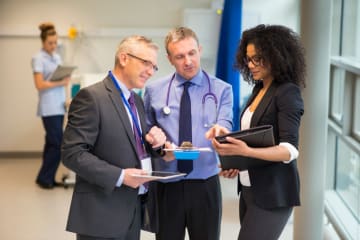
[[105, 144]]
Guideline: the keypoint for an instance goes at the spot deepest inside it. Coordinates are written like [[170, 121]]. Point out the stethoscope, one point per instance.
[[209, 95]]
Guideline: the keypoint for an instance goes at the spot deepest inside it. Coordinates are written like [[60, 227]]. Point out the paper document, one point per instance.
[[201, 149]]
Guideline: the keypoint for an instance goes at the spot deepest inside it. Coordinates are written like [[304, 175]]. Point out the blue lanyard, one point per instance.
[[128, 107]]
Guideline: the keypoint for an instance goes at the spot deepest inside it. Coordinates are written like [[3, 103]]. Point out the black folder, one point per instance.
[[261, 136]]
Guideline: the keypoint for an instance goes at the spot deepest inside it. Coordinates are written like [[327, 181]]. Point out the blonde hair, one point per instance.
[[178, 34], [47, 29], [128, 44]]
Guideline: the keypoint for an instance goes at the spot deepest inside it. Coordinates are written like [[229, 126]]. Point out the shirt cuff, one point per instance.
[[294, 153], [121, 179], [160, 150]]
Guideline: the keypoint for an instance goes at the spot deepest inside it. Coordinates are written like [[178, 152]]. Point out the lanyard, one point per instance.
[[127, 106]]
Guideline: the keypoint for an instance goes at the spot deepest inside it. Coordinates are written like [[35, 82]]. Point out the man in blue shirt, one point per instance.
[[192, 202]]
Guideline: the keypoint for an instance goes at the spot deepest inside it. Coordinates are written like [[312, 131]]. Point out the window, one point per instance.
[[348, 177], [337, 94], [342, 201], [336, 29], [351, 32], [356, 110]]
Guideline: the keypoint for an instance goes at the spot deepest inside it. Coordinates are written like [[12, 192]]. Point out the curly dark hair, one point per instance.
[[279, 47]]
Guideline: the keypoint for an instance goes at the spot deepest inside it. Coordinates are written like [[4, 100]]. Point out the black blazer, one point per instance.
[[278, 184]]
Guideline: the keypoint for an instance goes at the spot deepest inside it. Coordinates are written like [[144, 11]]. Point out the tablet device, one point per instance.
[[261, 136], [160, 175], [61, 72]]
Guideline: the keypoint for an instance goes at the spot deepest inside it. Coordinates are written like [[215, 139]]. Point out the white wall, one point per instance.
[[20, 129], [282, 12], [104, 23]]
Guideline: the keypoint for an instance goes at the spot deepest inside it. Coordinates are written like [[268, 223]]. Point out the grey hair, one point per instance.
[[128, 44]]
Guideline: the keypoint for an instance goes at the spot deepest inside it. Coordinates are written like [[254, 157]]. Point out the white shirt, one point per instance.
[[245, 124]]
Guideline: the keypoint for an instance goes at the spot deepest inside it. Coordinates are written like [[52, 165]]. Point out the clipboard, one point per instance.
[[188, 153], [261, 136], [61, 72]]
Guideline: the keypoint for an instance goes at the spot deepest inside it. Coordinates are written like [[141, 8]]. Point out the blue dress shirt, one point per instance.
[[51, 100], [155, 97]]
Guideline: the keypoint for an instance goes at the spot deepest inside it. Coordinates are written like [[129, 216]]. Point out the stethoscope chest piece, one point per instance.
[[166, 110]]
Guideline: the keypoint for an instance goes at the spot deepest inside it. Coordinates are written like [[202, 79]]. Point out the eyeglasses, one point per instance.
[[147, 63], [256, 60]]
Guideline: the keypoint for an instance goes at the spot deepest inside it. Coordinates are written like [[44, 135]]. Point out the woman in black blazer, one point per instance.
[[272, 58]]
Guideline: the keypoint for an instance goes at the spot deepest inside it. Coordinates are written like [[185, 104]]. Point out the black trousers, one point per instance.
[[133, 232], [84, 237], [192, 204], [258, 223], [53, 126]]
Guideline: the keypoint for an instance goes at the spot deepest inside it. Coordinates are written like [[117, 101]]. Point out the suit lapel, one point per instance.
[[141, 112], [119, 106], [251, 98], [265, 101]]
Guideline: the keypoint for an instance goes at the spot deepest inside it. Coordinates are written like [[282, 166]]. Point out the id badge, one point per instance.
[[146, 164]]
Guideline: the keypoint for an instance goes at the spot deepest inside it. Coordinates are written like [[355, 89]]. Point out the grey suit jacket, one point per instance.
[[98, 143]]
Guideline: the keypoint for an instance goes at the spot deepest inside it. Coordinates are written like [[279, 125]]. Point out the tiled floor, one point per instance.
[[30, 213]]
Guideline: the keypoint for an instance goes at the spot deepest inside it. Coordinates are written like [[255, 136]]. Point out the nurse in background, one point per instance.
[[51, 106]]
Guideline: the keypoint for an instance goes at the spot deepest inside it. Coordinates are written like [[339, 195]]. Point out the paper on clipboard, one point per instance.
[[201, 149], [61, 72]]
